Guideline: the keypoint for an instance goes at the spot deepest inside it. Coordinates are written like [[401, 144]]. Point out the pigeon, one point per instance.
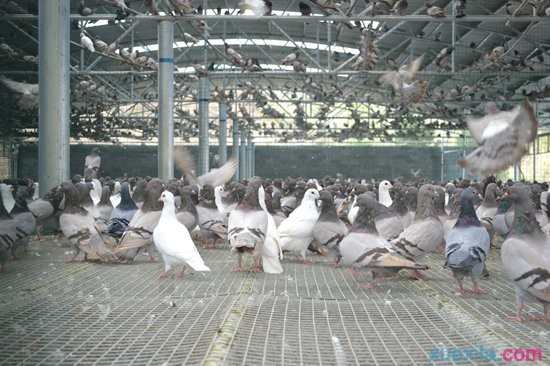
[[305, 9], [504, 217], [151, 5], [43, 209], [187, 213], [384, 196], [525, 255], [435, 11], [173, 241], [467, 245], [189, 38], [84, 10], [425, 235], [404, 81], [215, 177], [7, 196], [258, 7], [221, 205], [212, 222], [290, 58], [115, 195], [399, 204], [487, 211], [296, 231], [503, 139], [247, 227], [25, 220], [138, 193], [86, 42], [449, 190], [271, 249], [104, 206], [78, 226], [28, 98], [139, 233], [8, 234], [363, 247], [353, 209], [329, 229], [183, 7], [122, 214], [388, 221], [454, 210]]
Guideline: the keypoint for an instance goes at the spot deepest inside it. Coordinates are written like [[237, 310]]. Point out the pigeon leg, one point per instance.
[[416, 275], [13, 256], [477, 290], [239, 267], [520, 305], [163, 275], [305, 261], [458, 278], [180, 273], [257, 264]]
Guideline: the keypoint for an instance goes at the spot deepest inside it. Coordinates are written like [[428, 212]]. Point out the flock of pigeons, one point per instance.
[[382, 228]]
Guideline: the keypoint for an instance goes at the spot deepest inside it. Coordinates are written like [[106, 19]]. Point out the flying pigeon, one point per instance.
[[467, 245], [503, 139], [258, 7], [404, 81], [28, 98], [525, 255], [173, 241]]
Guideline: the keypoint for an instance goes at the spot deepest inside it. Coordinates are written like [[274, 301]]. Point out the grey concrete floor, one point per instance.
[[85, 313]]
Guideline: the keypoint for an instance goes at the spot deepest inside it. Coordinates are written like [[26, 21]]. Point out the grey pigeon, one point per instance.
[[363, 247], [425, 235], [467, 245], [526, 255], [329, 229], [187, 213], [503, 139], [78, 226], [139, 233], [44, 209], [247, 227], [26, 222], [123, 213], [212, 222]]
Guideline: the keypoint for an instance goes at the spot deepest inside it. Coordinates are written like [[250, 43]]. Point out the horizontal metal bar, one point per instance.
[[335, 18], [522, 74]]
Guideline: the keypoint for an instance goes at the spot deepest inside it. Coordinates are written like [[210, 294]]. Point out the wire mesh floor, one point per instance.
[[84, 313]]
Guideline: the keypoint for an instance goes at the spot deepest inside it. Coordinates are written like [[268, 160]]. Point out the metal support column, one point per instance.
[[222, 142], [242, 156], [235, 151], [166, 100], [253, 161], [249, 143], [453, 36], [204, 98], [54, 80]]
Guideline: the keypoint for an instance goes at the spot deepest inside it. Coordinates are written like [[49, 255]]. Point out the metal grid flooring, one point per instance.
[[83, 313]]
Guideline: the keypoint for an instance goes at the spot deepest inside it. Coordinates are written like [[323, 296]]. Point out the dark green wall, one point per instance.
[[271, 161]]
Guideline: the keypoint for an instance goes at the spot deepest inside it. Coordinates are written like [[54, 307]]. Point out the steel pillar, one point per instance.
[[222, 141], [235, 151], [249, 144], [242, 156], [204, 98], [54, 80], [166, 100]]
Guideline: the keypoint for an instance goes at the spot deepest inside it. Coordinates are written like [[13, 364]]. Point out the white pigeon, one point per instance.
[[271, 250], [7, 196], [173, 241], [296, 231], [86, 42], [503, 139], [384, 193], [96, 192], [115, 197], [258, 7]]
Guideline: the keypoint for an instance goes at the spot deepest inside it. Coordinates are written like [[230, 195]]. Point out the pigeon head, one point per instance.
[[139, 190], [105, 196], [126, 201], [425, 205], [450, 188], [467, 215], [440, 200], [311, 195], [454, 202], [525, 221], [368, 208], [250, 199], [167, 198], [399, 197], [153, 190], [84, 193], [491, 193], [72, 198]]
